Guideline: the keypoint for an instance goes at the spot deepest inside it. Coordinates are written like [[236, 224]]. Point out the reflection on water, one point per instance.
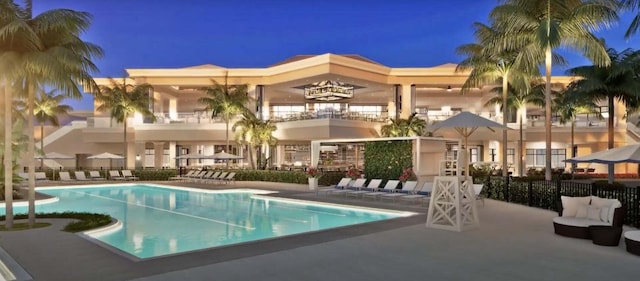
[[160, 221]]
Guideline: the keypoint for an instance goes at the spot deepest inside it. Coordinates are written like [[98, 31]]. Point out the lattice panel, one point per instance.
[[453, 204]]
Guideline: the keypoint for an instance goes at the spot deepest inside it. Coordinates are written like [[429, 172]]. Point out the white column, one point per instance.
[[173, 108], [172, 154], [131, 154], [158, 153], [406, 101], [391, 109], [140, 155], [158, 106], [251, 105], [265, 110]]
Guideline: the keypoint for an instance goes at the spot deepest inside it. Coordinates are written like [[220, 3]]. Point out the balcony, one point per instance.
[[330, 114]]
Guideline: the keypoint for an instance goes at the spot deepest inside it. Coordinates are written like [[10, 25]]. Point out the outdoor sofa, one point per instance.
[[581, 217]]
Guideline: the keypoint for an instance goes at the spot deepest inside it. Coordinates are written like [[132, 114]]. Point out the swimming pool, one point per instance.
[[158, 220]]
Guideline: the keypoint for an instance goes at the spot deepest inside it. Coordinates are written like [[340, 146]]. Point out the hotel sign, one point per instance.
[[328, 91]]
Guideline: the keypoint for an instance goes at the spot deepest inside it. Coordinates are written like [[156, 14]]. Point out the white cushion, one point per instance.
[[604, 214], [593, 213], [632, 235], [612, 204], [570, 204], [582, 211], [578, 222]]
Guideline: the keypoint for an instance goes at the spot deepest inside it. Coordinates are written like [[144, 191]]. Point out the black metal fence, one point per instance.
[[546, 194]]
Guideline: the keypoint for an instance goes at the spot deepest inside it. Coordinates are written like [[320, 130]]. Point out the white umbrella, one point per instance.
[[624, 154], [465, 123], [54, 155], [105, 155]]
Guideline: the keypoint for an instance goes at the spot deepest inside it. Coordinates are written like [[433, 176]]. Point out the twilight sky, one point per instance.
[[258, 33]]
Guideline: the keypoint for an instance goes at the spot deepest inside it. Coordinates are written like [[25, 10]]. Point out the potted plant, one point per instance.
[[353, 173], [407, 174], [313, 175]]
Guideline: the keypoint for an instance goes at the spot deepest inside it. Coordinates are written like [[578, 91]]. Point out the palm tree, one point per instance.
[[255, 133], [518, 98], [568, 105], [537, 27], [122, 100], [17, 146], [490, 62], [47, 107], [633, 5], [616, 81], [226, 101], [398, 127]]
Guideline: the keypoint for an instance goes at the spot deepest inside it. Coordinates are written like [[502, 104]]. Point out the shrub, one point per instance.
[[386, 159], [85, 221], [154, 175]]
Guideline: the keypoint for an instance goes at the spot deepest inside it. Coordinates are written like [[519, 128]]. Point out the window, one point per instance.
[[284, 111], [492, 154], [536, 158], [374, 110]]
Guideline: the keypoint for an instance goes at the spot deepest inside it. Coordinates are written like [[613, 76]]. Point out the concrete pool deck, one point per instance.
[[513, 243]]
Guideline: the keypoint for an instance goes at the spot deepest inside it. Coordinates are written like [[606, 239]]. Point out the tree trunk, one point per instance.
[[573, 126], [611, 140], [227, 148], [125, 144], [505, 85], [8, 157], [31, 155], [42, 145], [251, 161], [521, 148], [547, 115]]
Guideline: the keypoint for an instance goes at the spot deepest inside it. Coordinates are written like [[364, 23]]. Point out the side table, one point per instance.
[[605, 235], [632, 240]]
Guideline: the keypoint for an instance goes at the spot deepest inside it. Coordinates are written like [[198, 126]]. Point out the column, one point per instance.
[[407, 101], [131, 155], [158, 104], [140, 155], [265, 110], [391, 109], [259, 100], [158, 153], [173, 108], [172, 154]]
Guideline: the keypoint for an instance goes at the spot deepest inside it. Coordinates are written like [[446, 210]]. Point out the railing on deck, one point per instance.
[[546, 194]]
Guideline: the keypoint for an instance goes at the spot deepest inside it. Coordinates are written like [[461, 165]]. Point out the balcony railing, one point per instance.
[[330, 114]]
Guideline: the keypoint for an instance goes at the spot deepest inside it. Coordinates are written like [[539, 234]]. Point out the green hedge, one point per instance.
[[154, 175], [386, 159], [85, 221]]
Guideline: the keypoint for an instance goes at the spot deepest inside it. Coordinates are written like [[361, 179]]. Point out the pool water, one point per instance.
[[162, 220]]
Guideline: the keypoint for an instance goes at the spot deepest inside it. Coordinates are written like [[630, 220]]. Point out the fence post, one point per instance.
[[636, 207], [558, 191], [593, 189], [530, 192], [506, 188]]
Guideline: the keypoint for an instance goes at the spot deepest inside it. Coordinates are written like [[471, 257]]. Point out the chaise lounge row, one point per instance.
[[206, 177]]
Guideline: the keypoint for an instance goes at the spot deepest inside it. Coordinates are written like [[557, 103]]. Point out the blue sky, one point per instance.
[[258, 33]]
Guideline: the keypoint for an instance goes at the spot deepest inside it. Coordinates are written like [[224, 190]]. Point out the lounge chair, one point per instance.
[[229, 178], [389, 187], [407, 188], [128, 175], [202, 176], [41, 176], [344, 182], [210, 176], [178, 178], [373, 185], [359, 183], [65, 176], [423, 193], [95, 175], [80, 176], [115, 175]]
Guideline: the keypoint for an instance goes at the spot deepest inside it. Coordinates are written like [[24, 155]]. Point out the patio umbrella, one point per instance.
[[225, 156], [466, 123], [624, 154], [106, 155]]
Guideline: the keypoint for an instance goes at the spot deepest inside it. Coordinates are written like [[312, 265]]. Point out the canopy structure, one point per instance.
[[623, 154], [225, 156]]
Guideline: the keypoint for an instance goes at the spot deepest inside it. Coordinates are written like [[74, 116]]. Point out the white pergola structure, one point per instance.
[[427, 152]]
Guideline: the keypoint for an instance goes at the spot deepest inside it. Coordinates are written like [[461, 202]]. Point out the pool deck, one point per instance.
[[513, 243]]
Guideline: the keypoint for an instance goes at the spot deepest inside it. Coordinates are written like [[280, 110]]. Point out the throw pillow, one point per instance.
[[582, 212], [570, 205], [610, 204], [604, 214], [593, 213]]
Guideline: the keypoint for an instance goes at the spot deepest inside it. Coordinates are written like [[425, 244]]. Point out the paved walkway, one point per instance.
[[513, 243]]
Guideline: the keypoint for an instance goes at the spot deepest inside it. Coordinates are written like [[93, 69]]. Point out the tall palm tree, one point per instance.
[[226, 101], [633, 5], [47, 108], [399, 127], [122, 100], [17, 146], [518, 98], [537, 27], [264, 139], [490, 62], [255, 133], [616, 81]]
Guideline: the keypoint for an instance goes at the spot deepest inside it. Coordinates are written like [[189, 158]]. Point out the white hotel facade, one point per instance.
[[379, 92]]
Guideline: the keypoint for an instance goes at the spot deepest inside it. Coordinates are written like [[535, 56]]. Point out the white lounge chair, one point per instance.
[[229, 178], [407, 188], [389, 187], [423, 193], [80, 176], [41, 176], [95, 175], [373, 185], [179, 178], [211, 176], [359, 183], [342, 184], [128, 175], [115, 175], [65, 176]]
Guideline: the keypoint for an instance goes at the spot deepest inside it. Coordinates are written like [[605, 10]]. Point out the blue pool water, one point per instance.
[[162, 220]]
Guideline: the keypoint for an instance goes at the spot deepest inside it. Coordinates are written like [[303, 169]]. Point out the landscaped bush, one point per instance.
[[299, 177], [86, 221], [154, 175], [387, 159]]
